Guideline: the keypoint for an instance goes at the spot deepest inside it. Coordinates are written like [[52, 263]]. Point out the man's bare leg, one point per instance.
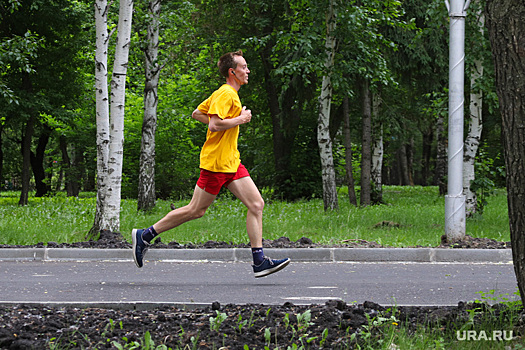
[[246, 190], [197, 207]]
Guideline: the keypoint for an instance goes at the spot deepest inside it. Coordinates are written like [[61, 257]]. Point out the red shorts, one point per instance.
[[212, 182]]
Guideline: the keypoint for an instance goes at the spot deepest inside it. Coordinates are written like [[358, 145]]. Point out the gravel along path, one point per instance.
[[333, 325]]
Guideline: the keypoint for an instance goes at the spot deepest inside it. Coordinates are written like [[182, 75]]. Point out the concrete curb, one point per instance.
[[148, 305], [118, 305], [419, 255]]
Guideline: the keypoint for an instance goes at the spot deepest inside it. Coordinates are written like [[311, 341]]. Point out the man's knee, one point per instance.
[[198, 213], [189, 212], [257, 206]]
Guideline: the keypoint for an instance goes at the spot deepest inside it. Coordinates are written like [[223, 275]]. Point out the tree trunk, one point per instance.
[[80, 166], [285, 121], [285, 126], [441, 158], [66, 163], [348, 153], [377, 153], [474, 134], [366, 152], [27, 136], [472, 143], [281, 152], [428, 138], [58, 185], [102, 112], [323, 128], [26, 160], [110, 132], [69, 169], [377, 167], [404, 179], [410, 162], [37, 163], [75, 174], [146, 195], [117, 104], [507, 36]]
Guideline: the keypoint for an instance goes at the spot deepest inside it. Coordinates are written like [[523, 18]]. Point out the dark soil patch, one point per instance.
[[331, 325], [474, 242], [115, 240]]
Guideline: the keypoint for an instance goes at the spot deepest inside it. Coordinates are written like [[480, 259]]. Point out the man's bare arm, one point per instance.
[[218, 124], [202, 117]]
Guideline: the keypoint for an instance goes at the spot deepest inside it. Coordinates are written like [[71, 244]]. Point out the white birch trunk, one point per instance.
[[111, 212], [377, 153], [323, 131], [474, 134], [110, 115], [472, 142], [146, 196], [102, 109], [377, 160]]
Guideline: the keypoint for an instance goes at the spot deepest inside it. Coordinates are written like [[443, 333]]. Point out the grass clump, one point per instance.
[[478, 325]]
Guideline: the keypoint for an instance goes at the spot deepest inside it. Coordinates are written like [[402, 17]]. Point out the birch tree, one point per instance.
[[323, 129], [473, 137], [146, 193], [472, 141], [377, 151], [110, 122], [102, 108]]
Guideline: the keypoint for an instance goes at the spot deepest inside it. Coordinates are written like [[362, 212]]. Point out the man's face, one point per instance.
[[241, 71]]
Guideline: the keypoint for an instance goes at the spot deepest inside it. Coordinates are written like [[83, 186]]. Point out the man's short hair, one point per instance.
[[227, 61]]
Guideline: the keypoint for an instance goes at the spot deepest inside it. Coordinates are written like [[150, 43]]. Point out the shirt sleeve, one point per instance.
[[204, 106], [221, 106]]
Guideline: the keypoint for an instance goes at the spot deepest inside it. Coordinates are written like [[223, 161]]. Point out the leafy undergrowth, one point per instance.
[[334, 325]]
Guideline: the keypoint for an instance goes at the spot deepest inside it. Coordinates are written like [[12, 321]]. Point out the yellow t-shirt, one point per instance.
[[219, 153]]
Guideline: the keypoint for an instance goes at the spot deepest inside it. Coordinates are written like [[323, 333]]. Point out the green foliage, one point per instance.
[[16, 55], [44, 51], [400, 46], [215, 322], [379, 333], [487, 175], [416, 214], [146, 344]]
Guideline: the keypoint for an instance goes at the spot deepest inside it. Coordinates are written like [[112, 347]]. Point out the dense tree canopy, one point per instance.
[[400, 48], [44, 53]]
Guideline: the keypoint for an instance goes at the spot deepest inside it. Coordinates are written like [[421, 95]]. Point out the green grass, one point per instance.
[[411, 216]]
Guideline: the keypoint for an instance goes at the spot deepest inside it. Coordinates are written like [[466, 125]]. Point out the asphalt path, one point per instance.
[[121, 284]]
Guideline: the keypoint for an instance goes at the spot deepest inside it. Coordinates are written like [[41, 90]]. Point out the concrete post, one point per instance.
[[455, 199]]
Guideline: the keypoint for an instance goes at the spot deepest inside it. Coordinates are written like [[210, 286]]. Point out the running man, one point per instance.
[[220, 166]]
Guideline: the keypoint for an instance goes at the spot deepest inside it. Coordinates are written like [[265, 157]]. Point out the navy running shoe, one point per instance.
[[269, 266], [140, 247]]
